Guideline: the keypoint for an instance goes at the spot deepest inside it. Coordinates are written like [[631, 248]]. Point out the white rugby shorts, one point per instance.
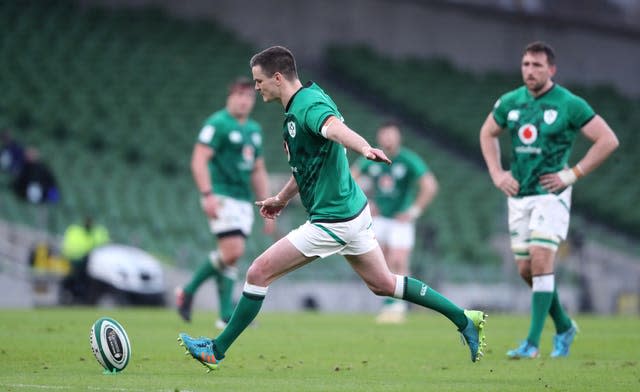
[[393, 233], [234, 215], [541, 220], [354, 237]]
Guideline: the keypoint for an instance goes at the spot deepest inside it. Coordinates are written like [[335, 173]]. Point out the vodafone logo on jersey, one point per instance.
[[528, 133], [386, 183], [248, 153]]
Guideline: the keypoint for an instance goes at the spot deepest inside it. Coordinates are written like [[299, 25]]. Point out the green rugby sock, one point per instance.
[[419, 293], [541, 298], [204, 272], [540, 303], [225, 295], [247, 310], [560, 318]]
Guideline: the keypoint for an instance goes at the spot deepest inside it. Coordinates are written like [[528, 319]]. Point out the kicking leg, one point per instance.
[[373, 269]]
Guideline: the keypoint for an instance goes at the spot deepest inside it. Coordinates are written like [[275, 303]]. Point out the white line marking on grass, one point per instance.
[[90, 388], [34, 386]]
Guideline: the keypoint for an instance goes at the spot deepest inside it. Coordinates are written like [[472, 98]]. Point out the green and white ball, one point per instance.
[[110, 344]]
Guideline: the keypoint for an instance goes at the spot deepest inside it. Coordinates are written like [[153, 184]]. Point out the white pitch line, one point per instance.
[[90, 388], [34, 386]]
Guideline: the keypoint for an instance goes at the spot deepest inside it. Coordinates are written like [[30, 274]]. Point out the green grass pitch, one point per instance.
[[48, 349]]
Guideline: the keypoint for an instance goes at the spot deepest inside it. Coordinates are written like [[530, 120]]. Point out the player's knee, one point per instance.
[[383, 288], [256, 274], [231, 257], [525, 272], [379, 291]]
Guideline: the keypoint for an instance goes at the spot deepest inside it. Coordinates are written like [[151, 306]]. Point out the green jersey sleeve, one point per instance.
[[205, 136], [500, 111], [418, 167], [580, 112], [212, 133], [317, 114]]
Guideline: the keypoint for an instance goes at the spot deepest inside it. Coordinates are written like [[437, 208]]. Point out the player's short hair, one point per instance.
[[542, 47], [390, 123], [239, 83], [276, 59]]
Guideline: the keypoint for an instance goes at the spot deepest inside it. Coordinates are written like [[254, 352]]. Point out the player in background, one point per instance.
[[339, 220], [226, 164], [543, 120], [399, 193]]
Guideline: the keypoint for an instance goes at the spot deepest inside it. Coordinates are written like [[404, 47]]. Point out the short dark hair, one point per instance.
[[276, 59], [390, 123], [239, 83], [542, 47]]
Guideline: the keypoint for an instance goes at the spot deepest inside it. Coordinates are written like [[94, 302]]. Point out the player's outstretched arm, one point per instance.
[[337, 131], [272, 206]]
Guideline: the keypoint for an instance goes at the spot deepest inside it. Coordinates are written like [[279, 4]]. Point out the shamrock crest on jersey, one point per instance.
[[550, 116], [291, 127]]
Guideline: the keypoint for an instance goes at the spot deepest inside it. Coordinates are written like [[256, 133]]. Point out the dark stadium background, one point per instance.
[[112, 93]]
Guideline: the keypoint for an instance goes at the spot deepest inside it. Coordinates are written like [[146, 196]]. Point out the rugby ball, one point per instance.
[[110, 344]]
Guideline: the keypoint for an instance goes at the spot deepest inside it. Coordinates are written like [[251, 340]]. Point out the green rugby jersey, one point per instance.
[[395, 186], [235, 149], [319, 165], [543, 130]]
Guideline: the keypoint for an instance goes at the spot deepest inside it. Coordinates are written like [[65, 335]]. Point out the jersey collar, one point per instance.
[[306, 85], [543, 94]]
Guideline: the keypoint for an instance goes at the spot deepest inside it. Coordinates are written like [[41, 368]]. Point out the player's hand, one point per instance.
[[269, 226], [409, 215], [271, 207], [553, 182], [375, 154], [506, 183], [404, 217], [210, 206]]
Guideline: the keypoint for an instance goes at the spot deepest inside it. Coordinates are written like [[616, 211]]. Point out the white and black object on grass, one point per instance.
[[110, 344]]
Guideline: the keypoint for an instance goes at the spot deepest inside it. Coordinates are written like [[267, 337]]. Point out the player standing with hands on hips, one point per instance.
[[339, 220], [543, 120], [228, 169]]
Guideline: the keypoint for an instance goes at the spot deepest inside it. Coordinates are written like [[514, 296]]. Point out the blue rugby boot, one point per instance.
[[525, 350], [473, 333], [202, 349], [562, 341]]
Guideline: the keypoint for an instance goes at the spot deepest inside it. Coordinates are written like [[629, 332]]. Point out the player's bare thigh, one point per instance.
[[279, 259], [373, 269], [542, 260]]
